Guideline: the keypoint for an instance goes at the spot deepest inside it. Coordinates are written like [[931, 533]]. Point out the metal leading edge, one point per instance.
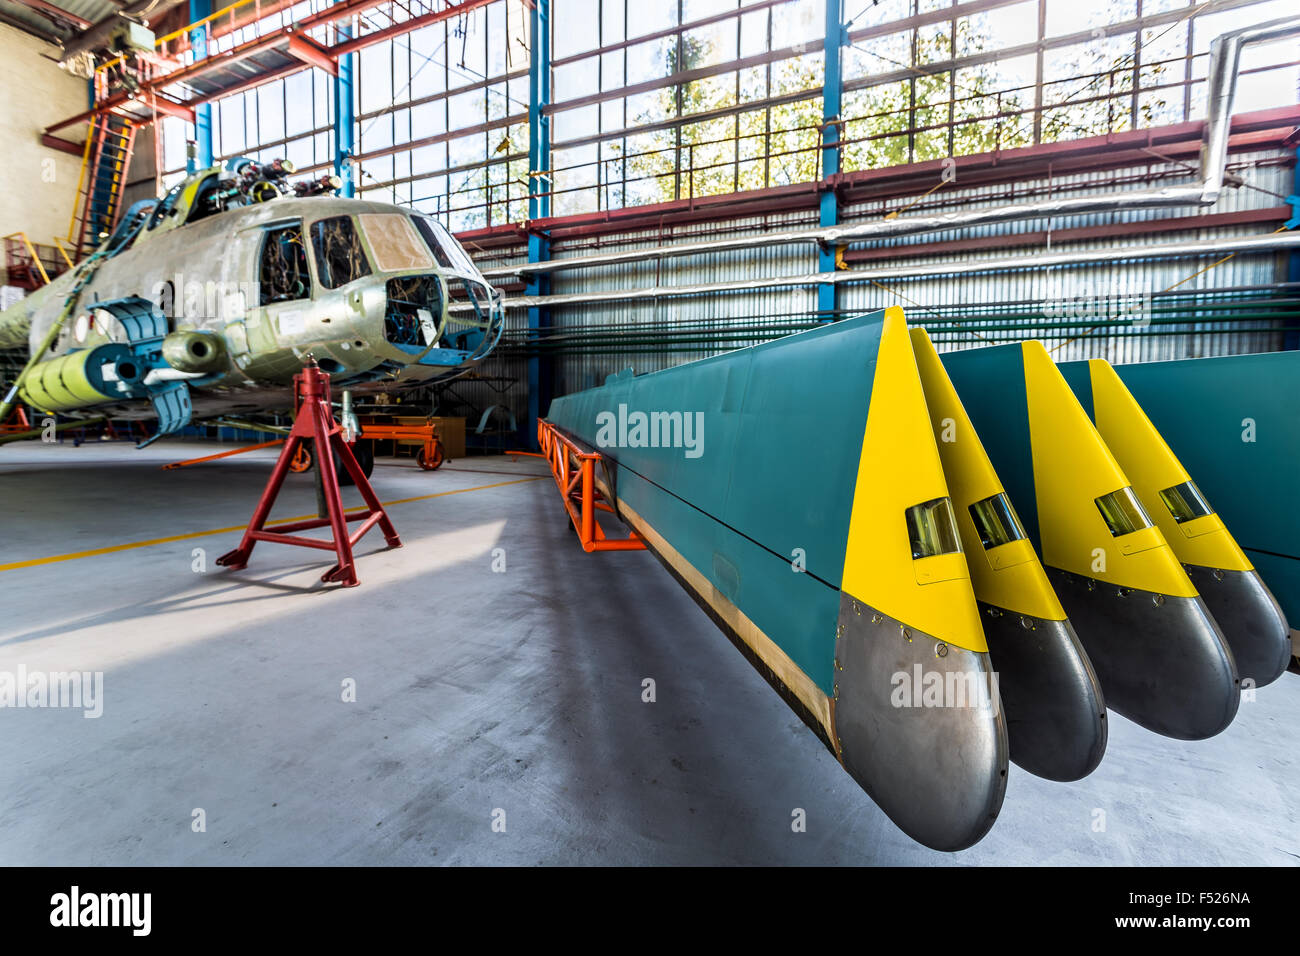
[[1163, 660], [1259, 637], [920, 727], [1055, 710]]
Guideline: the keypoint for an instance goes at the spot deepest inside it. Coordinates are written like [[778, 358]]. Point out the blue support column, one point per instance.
[[541, 370], [203, 112], [831, 99], [1291, 340], [344, 118]]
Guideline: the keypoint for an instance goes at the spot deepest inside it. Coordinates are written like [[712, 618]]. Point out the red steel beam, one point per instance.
[[415, 23], [159, 102], [43, 6], [1185, 153], [1073, 150], [163, 104], [307, 50], [253, 81], [219, 60], [698, 209], [65, 145]]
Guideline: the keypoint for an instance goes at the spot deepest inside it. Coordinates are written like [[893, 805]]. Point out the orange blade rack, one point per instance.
[[574, 469]]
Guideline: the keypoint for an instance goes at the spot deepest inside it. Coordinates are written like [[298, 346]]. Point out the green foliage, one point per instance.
[[778, 145]]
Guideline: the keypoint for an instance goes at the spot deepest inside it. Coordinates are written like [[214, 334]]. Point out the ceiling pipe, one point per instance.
[[1221, 87], [1170, 250], [1225, 60]]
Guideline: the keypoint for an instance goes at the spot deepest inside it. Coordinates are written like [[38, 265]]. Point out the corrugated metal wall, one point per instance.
[[1083, 292]]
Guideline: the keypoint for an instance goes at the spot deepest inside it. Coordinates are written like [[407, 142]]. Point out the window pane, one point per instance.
[[996, 521], [339, 256], [445, 249], [1185, 502], [932, 529], [394, 243], [1123, 512], [282, 269]]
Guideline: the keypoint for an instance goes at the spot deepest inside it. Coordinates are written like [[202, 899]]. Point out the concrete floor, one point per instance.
[[477, 691]]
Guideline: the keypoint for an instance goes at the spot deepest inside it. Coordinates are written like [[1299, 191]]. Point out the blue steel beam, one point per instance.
[[831, 100], [344, 117], [203, 112], [541, 370], [1292, 338]]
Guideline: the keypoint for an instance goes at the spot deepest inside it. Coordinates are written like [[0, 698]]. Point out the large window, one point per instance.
[[443, 116], [661, 100], [925, 79], [289, 118], [682, 98]]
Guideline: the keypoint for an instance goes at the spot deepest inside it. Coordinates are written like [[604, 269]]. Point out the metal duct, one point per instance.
[[1173, 250], [1221, 87], [1225, 58]]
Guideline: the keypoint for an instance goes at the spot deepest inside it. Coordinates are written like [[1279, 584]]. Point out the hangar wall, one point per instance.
[[704, 120], [1192, 313], [40, 184]]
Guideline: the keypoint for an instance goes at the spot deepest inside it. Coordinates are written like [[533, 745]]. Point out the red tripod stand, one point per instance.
[[315, 420]]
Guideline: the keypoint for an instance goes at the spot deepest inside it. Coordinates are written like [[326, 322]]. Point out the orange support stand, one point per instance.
[[315, 420], [431, 454], [574, 469]]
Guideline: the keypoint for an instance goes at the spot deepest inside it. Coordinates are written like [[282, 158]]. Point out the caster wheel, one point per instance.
[[431, 462]]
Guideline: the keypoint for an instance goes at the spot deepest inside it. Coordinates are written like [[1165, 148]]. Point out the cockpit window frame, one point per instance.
[[447, 251], [1186, 502]]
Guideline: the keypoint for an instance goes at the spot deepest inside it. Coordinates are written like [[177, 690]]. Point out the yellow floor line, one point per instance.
[[14, 566]]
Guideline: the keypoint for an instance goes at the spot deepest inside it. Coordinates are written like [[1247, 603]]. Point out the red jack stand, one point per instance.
[[17, 422], [315, 420]]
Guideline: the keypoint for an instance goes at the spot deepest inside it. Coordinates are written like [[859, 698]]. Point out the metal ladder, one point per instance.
[[103, 179]]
